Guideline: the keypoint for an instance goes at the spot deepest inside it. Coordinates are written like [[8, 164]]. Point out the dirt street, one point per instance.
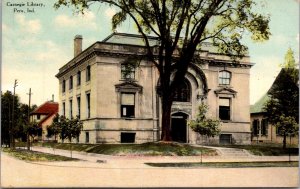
[[17, 173]]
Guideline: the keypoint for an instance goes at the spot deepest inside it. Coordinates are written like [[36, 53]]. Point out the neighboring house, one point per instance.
[[262, 131], [44, 115], [118, 105]]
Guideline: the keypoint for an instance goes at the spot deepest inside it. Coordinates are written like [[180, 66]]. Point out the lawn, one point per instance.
[[266, 150], [35, 156], [145, 149], [228, 164]]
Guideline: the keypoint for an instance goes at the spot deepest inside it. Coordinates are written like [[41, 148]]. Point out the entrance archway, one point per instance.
[[179, 127]]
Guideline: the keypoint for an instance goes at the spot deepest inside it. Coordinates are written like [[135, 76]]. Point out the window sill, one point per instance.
[[225, 121], [128, 118], [128, 80], [227, 86]]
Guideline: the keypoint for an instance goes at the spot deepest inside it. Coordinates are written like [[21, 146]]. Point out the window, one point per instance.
[[224, 77], [264, 127], [127, 137], [64, 109], [182, 94], [127, 105], [88, 102], [225, 138], [78, 107], [78, 78], [71, 109], [88, 73], [255, 126], [38, 116], [127, 71], [71, 83], [224, 108], [87, 137], [64, 86]]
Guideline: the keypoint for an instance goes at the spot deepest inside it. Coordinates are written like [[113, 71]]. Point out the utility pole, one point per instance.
[[28, 122], [13, 122]]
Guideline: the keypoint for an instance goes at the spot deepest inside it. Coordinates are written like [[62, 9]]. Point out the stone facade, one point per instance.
[[116, 106]]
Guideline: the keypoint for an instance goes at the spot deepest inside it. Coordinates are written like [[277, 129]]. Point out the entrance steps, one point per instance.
[[233, 152]]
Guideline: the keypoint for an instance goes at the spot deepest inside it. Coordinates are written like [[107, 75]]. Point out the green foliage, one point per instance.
[[20, 117], [282, 109], [205, 126], [65, 128], [36, 156], [148, 149], [33, 129], [228, 164], [287, 125], [289, 60]]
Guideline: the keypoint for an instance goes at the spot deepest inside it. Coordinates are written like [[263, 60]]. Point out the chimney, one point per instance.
[[52, 97], [77, 45]]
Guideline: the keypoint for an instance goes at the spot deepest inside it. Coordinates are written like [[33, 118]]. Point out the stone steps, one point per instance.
[[234, 152]]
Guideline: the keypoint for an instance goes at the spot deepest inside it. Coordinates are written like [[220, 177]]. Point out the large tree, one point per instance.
[[10, 118], [181, 26], [282, 109]]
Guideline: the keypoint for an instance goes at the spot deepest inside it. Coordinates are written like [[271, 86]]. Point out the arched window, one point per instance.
[[224, 77], [183, 93]]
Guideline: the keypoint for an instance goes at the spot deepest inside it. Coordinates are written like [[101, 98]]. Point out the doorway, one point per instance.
[[178, 127]]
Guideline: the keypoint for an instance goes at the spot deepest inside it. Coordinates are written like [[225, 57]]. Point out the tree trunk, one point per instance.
[[284, 141], [28, 141], [166, 119]]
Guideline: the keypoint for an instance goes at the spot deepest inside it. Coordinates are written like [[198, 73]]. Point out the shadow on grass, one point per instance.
[[227, 164], [144, 149]]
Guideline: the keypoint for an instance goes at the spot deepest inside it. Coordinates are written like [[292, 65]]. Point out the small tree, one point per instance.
[[54, 129], [204, 126], [65, 128], [32, 130]]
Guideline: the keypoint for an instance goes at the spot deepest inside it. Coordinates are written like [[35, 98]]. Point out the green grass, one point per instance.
[[35, 156], [266, 150], [145, 149], [227, 164]]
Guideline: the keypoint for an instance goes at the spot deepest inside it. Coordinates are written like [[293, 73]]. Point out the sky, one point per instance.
[[36, 44]]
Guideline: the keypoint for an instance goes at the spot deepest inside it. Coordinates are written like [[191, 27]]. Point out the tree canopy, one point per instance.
[[65, 128], [282, 110], [181, 26]]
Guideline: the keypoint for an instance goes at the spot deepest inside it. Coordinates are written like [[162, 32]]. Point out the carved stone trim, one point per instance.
[[129, 87]]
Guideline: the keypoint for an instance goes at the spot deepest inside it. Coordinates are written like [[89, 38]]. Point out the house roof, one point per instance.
[[130, 39], [124, 45], [138, 40], [46, 108], [259, 105]]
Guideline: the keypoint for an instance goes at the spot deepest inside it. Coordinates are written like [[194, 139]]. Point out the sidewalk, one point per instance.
[[138, 161]]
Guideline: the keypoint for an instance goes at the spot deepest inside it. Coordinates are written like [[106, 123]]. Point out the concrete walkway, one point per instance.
[[139, 161], [18, 173]]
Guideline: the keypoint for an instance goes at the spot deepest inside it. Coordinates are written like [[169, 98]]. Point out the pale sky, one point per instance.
[[35, 45]]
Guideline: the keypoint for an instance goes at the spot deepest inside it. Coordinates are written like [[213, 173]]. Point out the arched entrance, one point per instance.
[[179, 127]]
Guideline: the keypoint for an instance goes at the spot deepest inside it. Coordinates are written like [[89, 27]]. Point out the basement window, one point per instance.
[[127, 137]]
